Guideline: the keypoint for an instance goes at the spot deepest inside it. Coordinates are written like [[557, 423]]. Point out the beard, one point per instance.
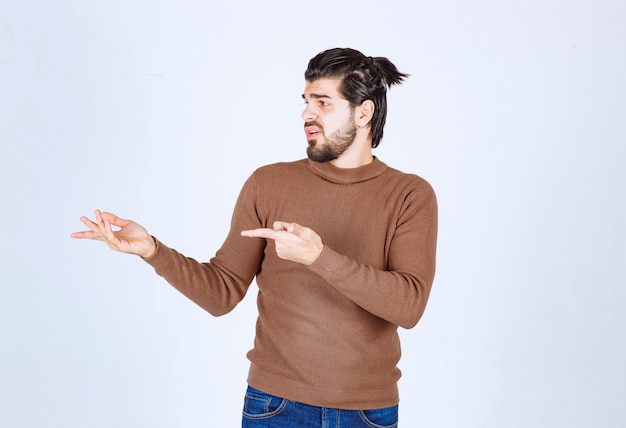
[[336, 144]]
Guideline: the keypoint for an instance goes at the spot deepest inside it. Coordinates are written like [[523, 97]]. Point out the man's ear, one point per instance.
[[363, 113]]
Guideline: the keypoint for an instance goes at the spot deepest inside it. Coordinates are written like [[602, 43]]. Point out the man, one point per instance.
[[343, 250]]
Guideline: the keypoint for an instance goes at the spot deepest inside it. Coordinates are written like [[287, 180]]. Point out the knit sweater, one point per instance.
[[326, 334]]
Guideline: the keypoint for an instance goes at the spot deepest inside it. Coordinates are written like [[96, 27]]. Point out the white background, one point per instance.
[[159, 110]]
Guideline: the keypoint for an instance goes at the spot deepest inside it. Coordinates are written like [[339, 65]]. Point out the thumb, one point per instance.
[[281, 225], [300, 231], [114, 220]]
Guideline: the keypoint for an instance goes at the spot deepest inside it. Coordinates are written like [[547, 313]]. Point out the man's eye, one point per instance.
[[324, 103]]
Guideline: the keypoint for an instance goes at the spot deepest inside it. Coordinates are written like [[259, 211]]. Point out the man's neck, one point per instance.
[[358, 154], [354, 161]]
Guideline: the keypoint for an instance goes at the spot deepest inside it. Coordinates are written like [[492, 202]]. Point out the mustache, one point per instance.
[[314, 123]]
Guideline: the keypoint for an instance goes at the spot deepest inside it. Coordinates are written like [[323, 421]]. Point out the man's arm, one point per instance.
[[399, 294], [216, 286]]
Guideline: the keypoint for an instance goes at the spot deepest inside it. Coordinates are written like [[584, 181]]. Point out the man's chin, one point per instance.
[[320, 156]]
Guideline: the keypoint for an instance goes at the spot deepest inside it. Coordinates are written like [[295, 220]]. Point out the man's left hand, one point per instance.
[[293, 242]]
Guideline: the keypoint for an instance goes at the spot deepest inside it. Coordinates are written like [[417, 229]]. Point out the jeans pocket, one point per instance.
[[380, 418], [261, 405]]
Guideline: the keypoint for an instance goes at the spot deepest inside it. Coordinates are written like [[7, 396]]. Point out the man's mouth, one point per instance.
[[312, 132]]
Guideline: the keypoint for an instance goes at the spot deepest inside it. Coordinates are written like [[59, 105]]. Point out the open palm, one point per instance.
[[129, 237]]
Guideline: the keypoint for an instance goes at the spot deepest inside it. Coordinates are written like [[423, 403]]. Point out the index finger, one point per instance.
[[261, 233]]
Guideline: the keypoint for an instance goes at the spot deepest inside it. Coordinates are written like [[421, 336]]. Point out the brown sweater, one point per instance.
[[326, 334]]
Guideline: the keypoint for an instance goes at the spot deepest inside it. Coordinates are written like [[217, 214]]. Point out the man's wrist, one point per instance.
[[151, 250]]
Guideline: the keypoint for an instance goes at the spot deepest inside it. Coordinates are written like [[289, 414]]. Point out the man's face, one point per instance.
[[328, 120]]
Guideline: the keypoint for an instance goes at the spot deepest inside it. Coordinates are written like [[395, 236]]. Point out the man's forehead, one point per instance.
[[322, 88]]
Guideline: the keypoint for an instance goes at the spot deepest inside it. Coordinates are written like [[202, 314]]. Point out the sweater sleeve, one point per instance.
[[400, 293], [220, 284]]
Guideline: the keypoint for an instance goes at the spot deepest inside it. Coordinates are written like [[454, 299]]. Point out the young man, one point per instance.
[[343, 250]]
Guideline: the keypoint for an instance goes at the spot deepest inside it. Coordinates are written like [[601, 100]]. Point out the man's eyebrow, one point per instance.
[[317, 96]]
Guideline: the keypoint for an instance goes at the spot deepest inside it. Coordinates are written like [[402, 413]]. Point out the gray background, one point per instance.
[[159, 110]]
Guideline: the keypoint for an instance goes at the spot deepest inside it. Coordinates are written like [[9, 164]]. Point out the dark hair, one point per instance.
[[362, 78]]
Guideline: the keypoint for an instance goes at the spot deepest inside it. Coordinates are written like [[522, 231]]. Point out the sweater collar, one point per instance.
[[330, 172]]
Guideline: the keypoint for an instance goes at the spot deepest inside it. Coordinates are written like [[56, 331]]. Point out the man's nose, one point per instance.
[[308, 114]]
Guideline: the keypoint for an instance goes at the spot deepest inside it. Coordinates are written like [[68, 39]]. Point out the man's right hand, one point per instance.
[[130, 238]]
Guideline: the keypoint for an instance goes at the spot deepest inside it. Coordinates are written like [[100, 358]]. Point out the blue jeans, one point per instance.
[[262, 410]]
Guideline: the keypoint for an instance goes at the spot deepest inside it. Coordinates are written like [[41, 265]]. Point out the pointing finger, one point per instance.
[[261, 233]]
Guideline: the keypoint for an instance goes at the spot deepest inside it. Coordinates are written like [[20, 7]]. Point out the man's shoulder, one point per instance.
[[408, 178], [281, 168]]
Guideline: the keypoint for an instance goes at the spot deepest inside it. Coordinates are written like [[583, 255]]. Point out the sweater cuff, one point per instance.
[[157, 257], [327, 263]]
